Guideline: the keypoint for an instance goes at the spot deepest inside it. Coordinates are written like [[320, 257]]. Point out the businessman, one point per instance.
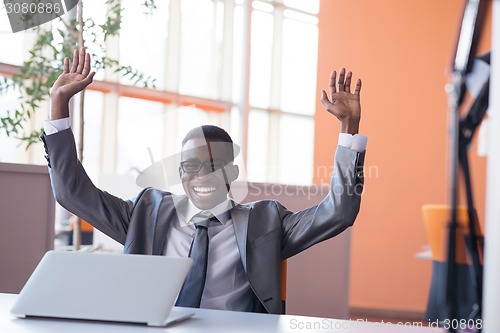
[[236, 248]]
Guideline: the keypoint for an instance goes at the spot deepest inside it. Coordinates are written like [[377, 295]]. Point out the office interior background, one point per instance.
[[402, 50]]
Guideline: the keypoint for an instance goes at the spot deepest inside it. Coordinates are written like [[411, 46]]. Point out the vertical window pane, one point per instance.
[[260, 59], [296, 150], [143, 39], [236, 126], [197, 48], [258, 142], [140, 126], [4, 22], [191, 117], [92, 134], [91, 10], [237, 54], [299, 66], [262, 6], [311, 6], [96, 11]]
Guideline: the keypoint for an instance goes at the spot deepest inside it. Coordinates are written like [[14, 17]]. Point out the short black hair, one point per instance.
[[210, 133]]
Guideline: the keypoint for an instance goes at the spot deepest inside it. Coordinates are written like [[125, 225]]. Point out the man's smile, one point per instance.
[[204, 191]]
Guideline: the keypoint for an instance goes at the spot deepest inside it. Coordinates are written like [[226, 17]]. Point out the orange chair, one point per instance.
[[86, 229], [436, 221]]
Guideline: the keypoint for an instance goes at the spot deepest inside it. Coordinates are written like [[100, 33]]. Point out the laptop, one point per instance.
[[105, 287]]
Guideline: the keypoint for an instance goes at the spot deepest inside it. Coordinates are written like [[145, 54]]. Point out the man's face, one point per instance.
[[207, 187]]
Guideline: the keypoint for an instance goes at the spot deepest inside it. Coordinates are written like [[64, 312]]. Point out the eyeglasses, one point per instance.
[[195, 166]]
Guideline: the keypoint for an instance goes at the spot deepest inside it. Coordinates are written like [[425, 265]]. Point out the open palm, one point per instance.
[[76, 78], [343, 104]]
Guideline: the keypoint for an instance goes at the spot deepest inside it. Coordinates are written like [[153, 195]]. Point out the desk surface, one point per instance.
[[205, 321]]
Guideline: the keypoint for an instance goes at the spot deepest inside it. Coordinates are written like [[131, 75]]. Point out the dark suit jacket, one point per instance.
[[266, 232]]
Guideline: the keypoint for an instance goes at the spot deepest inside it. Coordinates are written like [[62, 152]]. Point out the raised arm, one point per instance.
[[72, 187], [338, 210], [70, 82], [342, 103]]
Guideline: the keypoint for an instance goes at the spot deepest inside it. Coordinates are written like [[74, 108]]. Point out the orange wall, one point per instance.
[[402, 51]]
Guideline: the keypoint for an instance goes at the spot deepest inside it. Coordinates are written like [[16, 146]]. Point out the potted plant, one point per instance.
[[45, 62]]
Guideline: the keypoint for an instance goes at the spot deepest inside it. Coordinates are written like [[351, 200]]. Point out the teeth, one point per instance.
[[204, 191]]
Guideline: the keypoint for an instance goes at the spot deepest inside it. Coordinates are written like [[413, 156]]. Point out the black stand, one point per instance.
[[461, 135]]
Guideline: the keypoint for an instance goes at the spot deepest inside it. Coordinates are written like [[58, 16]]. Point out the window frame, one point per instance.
[[223, 106]]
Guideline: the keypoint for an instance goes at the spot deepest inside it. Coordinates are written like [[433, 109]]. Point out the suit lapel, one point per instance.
[[240, 215], [167, 213]]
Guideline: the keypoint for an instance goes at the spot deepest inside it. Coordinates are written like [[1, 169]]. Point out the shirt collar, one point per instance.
[[192, 210]]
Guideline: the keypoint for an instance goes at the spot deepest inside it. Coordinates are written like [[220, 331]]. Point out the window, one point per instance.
[[282, 91], [200, 56], [139, 128]]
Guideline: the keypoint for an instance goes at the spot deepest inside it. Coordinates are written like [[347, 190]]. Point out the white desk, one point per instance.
[[205, 321]]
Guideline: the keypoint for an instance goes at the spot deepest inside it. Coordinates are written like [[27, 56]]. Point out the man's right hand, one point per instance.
[[70, 82]]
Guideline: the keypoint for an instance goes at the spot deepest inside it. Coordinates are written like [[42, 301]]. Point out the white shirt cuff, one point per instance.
[[355, 142], [54, 126]]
